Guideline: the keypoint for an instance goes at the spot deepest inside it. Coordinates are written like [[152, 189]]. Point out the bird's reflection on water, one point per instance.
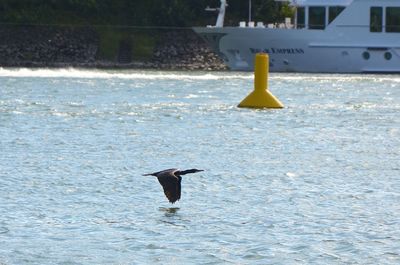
[[169, 211], [172, 217]]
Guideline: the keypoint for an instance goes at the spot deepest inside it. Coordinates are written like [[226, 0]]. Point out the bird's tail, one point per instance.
[[149, 174]]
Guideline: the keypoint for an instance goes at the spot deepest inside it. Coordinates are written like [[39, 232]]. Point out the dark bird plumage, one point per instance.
[[170, 180]]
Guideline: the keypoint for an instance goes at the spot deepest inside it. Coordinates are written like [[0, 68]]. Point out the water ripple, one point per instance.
[[314, 183]]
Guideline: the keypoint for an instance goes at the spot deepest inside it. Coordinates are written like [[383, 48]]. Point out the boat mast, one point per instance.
[[249, 10], [221, 14]]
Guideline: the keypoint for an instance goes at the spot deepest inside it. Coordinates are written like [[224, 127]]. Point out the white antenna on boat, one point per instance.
[[221, 13]]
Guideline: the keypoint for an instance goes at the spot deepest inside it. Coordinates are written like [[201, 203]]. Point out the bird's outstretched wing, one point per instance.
[[172, 187], [162, 172]]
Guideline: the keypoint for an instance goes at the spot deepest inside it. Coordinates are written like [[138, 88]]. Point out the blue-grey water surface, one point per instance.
[[317, 182]]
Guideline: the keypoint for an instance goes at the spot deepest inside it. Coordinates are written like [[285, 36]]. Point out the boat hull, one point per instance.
[[304, 50]]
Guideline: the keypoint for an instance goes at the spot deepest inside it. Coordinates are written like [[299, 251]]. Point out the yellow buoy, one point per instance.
[[261, 97]]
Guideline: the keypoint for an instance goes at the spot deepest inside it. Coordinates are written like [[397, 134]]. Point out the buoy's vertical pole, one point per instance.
[[261, 97], [261, 71]]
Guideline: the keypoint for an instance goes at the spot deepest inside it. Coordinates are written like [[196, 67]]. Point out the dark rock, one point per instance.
[[29, 46]]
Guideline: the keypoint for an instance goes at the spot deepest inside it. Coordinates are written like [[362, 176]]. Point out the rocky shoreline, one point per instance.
[[79, 47]]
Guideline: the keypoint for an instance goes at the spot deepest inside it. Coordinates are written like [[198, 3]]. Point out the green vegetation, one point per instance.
[[136, 23], [143, 45], [109, 40], [155, 13], [143, 42]]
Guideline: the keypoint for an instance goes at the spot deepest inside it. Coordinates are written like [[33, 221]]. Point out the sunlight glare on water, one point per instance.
[[314, 183]]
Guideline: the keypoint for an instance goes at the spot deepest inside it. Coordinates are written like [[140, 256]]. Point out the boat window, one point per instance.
[[375, 21], [316, 17], [366, 55], [393, 19], [334, 11], [301, 17], [388, 56]]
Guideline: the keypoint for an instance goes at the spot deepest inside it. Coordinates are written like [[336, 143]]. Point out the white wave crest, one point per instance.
[[119, 74], [183, 75]]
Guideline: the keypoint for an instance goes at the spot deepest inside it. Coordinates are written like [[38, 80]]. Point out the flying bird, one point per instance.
[[170, 180]]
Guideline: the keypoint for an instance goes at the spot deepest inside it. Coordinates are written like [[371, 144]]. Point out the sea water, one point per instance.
[[317, 182]]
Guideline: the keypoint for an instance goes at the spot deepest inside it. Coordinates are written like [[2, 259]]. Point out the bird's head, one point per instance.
[[190, 171]]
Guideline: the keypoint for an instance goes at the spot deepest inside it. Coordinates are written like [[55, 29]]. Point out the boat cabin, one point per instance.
[[312, 14], [384, 19], [318, 14]]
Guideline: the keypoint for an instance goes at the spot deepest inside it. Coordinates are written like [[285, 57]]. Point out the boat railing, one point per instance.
[[252, 24]]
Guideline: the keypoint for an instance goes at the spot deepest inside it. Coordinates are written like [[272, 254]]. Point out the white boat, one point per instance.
[[327, 36]]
